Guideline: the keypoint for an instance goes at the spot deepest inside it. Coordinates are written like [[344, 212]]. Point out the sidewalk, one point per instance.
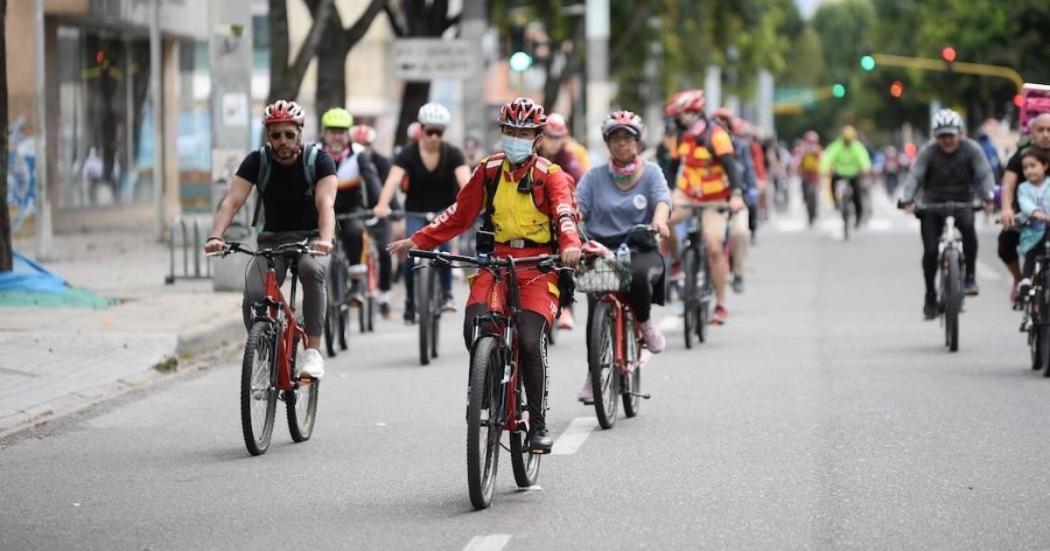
[[57, 360]]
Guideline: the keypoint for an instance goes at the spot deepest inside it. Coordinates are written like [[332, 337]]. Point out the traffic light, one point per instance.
[[520, 61], [867, 62], [1018, 100], [838, 90], [948, 55], [897, 89]]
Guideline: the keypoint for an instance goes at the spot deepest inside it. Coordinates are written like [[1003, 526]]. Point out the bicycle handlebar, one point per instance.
[[448, 258], [296, 248], [947, 206]]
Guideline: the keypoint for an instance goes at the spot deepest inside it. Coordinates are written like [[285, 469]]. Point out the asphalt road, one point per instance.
[[825, 414]]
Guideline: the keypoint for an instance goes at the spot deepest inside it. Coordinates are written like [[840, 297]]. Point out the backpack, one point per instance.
[[309, 162]]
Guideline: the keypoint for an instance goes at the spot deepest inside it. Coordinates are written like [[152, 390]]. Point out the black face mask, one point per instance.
[[681, 125]]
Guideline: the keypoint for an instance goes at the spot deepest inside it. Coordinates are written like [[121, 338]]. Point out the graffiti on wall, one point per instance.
[[21, 173]]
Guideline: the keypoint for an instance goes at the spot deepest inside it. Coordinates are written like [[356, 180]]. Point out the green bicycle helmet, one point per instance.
[[337, 117]]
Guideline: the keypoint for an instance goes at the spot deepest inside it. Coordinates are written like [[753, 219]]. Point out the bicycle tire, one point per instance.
[[423, 309], [341, 328], [1035, 344], [301, 402], [258, 384], [484, 393], [331, 321], [602, 366], [436, 307], [1044, 327], [631, 384], [524, 463], [845, 204], [690, 294], [370, 303], [952, 299], [703, 307]]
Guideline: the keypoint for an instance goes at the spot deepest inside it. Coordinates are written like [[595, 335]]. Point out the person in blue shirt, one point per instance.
[[614, 198], [1033, 196]]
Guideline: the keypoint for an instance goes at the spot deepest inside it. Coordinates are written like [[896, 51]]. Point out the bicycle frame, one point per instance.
[[275, 301], [622, 308]]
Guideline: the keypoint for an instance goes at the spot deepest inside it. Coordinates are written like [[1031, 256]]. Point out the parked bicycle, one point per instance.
[[698, 289], [614, 335], [496, 400], [272, 355]]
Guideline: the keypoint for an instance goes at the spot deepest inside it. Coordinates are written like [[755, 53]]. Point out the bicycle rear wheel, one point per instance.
[[335, 314], [259, 386], [631, 384], [484, 427], [524, 463], [423, 311], [436, 306], [690, 294], [952, 299], [703, 306], [845, 204], [301, 402], [601, 363], [1043, 332]]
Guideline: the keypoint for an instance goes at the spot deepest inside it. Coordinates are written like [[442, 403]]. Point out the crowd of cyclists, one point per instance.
[[539, 194]]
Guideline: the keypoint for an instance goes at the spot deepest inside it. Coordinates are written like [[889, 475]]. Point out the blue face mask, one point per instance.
[[516, 149]]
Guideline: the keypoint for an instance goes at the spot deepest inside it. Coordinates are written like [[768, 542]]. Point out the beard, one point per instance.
[[285, 152]]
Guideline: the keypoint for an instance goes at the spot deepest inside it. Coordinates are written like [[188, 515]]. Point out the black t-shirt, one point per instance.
[[288, 201], [1014, 165], [430, 191]]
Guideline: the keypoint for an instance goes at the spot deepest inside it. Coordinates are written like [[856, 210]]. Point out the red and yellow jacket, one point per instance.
[[517, 216]]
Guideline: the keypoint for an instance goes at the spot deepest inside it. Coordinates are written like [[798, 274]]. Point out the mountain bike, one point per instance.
[[428, 301], [272, 355], [614, 335], [360, 286], [337, 279], [698, 290], [844, 199], [951, 288], [496, 399]]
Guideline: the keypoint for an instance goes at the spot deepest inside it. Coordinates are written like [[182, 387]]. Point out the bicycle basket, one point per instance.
[[605, 276]]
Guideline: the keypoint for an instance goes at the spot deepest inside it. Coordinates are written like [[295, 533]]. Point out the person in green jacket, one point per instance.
[[847, 159]]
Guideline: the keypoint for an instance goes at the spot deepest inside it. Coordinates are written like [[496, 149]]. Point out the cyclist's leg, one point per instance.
[[964, 221], [930, 228], [740, 234], [858, 199], [351, 232], [646, 269], [1009, 240], [315, 296], [472, 311], [715, 224], [531, 334], [255, 277]]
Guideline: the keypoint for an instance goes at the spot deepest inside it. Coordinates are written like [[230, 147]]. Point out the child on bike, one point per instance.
[[528, 203], [1033, 196]]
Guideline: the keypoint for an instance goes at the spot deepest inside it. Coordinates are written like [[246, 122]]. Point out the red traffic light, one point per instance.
[[948, 54], [897, 89], [100, 56], [1018, 100]]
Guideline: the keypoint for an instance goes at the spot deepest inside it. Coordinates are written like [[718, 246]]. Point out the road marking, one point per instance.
[[491, 542], [574, 436], [985, 271]]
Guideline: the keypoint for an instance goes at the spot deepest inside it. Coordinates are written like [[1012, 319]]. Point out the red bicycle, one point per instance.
[[272, 355], [614, 336], [496, 400]]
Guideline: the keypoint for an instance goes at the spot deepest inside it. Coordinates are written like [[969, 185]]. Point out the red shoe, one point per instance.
[[719, 316]]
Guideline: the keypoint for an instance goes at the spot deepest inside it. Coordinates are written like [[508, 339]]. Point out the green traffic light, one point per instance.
[[520, 61], [867, 62], [838, 90]]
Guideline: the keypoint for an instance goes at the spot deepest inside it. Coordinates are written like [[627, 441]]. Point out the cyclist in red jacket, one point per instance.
[[532, 212]]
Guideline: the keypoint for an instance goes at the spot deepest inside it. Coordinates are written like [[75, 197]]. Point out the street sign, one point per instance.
[[421, 59]]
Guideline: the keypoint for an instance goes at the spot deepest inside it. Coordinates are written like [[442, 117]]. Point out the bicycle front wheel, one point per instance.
[[423, 312], [436, 306], [952, 299], [301, 402], [846, 204], [1043, 328], [691, 294], [484, 421], [259, 386], [601, 362]]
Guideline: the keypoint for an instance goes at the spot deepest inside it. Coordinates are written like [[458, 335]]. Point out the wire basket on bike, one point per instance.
[[605, 275]]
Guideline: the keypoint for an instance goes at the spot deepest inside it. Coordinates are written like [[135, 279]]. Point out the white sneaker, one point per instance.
[[654, 339], [313, 364], [357, 269]]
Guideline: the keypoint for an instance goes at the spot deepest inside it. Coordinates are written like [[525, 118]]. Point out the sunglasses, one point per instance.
[[435, 132], [288, 135]]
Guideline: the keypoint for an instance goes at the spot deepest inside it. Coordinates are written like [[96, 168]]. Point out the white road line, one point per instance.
[[574, 436], [984, 271], [490, 542]]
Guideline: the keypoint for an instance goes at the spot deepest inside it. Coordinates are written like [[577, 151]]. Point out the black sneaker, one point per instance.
[[540, 441], [384, 310], [738, 284], [971, 287], [410, 314], [929, 307]]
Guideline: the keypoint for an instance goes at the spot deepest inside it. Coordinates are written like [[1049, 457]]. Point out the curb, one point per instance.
[[202, 340]]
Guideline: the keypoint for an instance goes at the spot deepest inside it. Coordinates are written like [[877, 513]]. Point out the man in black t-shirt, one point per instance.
[[431, 172], [1010, 238], [295, 209]]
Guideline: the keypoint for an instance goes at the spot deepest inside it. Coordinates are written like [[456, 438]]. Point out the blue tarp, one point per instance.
[[30, 284], [30, 276]]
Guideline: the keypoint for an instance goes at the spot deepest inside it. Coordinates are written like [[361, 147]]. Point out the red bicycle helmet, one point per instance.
[[624, 120], [362, 134], [522, 113], [283, 111], [686, 101]]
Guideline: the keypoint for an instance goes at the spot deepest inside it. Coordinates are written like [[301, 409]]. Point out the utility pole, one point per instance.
[[43, 203], [156, 63], [474, 21], [599, 89]]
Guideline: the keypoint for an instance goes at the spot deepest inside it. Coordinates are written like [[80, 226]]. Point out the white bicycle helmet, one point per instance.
[[946, 121], [434, 114]]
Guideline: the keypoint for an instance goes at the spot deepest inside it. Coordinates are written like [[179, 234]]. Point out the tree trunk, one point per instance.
[[331, 69], [5, 216], [416, 94]]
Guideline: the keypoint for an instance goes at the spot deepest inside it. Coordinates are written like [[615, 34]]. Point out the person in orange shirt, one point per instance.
[[707, 174]]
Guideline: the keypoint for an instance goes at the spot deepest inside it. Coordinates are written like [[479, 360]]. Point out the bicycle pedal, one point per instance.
[[587, 402]]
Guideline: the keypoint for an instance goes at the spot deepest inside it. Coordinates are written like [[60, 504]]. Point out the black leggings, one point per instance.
[[1009, 240], [532, 337], [351, 233], [931, 228], [381, 233], [1031, 255]]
